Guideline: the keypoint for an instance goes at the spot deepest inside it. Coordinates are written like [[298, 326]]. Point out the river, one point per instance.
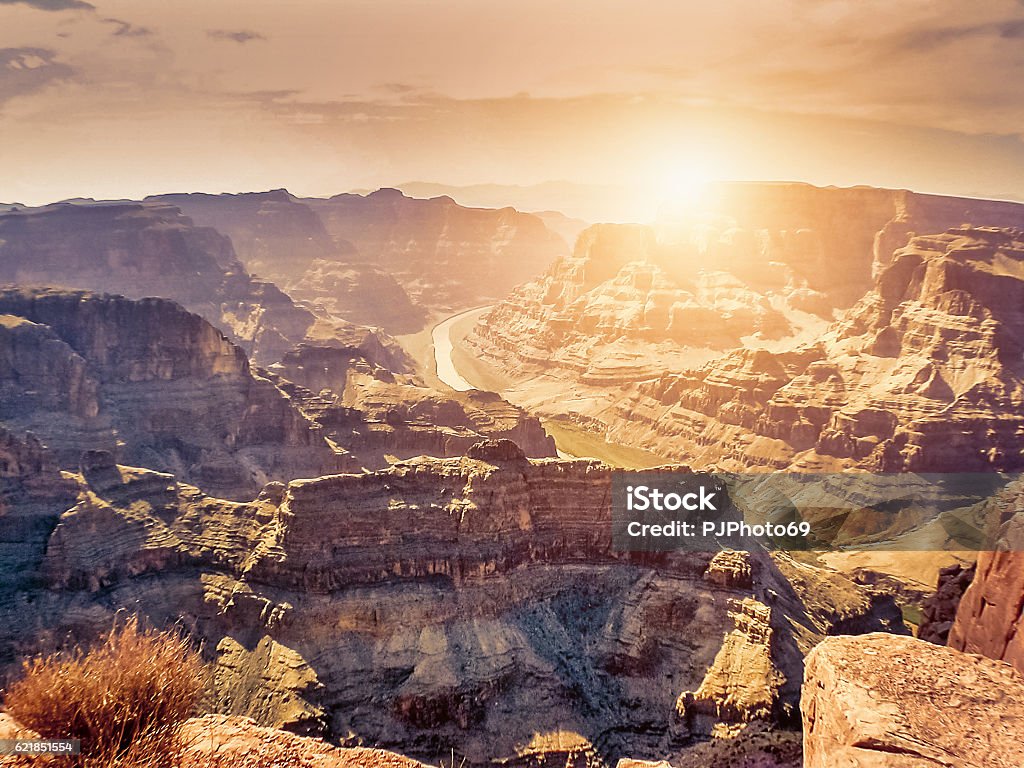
[[441, 337]]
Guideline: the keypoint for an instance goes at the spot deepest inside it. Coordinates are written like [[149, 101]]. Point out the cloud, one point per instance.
[[24, 70], [127, 29], [53, 5], [930, 38], [240, 36]]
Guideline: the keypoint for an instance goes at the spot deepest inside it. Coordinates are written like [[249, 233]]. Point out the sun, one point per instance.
[[682, 186], [686, 186]]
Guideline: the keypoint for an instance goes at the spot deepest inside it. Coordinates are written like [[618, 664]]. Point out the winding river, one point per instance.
[[441, 337]]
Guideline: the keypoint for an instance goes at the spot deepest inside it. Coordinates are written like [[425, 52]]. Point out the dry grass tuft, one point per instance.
[[123, 697]]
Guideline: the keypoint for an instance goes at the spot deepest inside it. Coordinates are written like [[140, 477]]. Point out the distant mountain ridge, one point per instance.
[[380, 259]]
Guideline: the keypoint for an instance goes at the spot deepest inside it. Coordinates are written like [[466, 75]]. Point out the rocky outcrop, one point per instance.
[[742, 683], [482, 592], [990, 616], [142, 250], [240, 742], [379, 416], [879, 701], [201, 742], [152, 384], [939, 609]]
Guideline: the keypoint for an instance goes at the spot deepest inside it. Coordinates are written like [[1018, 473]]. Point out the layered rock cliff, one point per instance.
[[154, 385], [274, 234], [140, 250], [482, 592], [445, 255], [33, 494], [726, 358]]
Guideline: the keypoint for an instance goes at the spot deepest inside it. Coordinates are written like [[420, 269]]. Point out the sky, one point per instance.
[[122, 98]]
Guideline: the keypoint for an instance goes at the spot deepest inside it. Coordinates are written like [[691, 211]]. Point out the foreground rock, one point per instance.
[[990, 616], [218, 740], [241, 743], [879, 701]]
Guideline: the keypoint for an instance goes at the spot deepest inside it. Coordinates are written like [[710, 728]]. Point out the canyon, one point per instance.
[[468, 585], [779, 334], [382, 561], [140, 250]]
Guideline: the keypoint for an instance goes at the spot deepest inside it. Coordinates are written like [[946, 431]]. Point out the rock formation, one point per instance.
[[212, 740], [142, 250], [879, 701], [990, 616], [720, 352], [939, 609], [275, 234], [481, 591], [442, 253], [152, 384], [380, 416], [360, 293], [33, 494]]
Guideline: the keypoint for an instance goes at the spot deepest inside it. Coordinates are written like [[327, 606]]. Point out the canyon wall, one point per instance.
[[379, 415], [771, 335], [153, 384], [382, 259], [140, 250], [481, 591]]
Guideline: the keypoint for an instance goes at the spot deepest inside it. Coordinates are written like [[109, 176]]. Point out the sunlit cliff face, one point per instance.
[[114, 98]]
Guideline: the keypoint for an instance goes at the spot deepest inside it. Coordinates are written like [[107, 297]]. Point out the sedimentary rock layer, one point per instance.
[[142, 250], [152, 384], [482, 592], [380, 416], [718, 350], [409, 255]]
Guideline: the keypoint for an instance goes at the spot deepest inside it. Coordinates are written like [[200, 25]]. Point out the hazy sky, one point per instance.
[[112, 98]]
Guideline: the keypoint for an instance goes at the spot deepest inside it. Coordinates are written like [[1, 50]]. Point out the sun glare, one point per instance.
[[682, 186]]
